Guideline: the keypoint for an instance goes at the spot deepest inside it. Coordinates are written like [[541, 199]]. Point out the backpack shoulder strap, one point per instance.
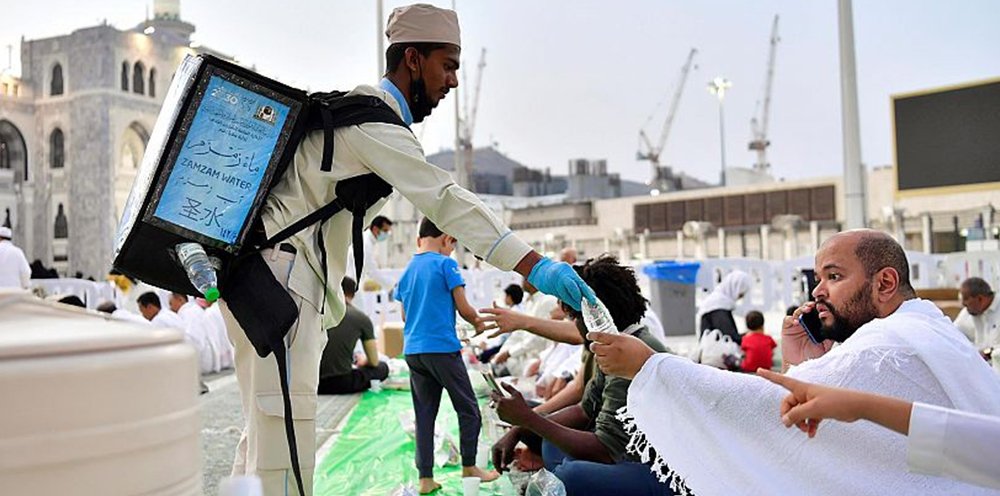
[[357, 195], [319, 215], [329, 111], [338, 109]]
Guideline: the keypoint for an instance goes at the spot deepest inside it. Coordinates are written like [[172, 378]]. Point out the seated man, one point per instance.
[[336, 373], [110, 308], [980, 318], [584, 444], [150, 308], [513, 295], [185, 308], [717, 433], [557, 366]]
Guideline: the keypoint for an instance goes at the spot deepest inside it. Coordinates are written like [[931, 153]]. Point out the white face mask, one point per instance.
[[382, 236]]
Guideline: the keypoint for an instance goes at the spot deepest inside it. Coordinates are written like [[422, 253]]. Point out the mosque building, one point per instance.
[[73, 129], [75, 123]]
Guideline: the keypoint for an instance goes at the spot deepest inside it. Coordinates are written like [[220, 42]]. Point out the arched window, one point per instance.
[[152, 83], [124, 76], [61, 227], [56, 87], [13, 152], [134, 142], [57, 151], [139, 78]]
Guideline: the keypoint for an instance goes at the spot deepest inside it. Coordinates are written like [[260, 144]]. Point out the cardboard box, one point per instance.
[[947, 299], [951, 309], [938, 294], [390, 339]]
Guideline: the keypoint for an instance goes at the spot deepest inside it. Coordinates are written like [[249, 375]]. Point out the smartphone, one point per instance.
[[492, 381], [812, 324]]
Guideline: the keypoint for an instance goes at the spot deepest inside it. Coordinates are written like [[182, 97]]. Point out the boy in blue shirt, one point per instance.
[[431, 290]]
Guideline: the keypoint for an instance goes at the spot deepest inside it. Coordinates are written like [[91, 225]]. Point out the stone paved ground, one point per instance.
[[222, 421]]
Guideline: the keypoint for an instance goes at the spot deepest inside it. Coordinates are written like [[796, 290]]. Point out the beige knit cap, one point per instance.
[[422, 23]]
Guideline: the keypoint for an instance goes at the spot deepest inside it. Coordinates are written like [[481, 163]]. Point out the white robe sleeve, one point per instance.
[[396, 156], [951, 443], [965, 324]]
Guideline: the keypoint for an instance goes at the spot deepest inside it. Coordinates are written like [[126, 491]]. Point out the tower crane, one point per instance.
[[662, 178], [758, 127], [466, 128]]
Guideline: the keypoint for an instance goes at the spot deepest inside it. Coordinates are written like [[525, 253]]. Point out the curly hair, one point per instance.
[[616, 286]]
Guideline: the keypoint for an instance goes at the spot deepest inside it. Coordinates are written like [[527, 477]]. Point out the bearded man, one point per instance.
[[718, 432]]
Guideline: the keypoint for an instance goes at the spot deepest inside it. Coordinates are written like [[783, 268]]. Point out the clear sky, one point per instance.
[[578, 78]]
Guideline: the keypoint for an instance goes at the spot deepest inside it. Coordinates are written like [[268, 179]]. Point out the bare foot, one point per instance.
[[484, 476], [428, 486]]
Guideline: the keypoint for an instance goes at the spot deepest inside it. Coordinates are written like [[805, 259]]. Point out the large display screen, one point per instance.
[[948, 138]]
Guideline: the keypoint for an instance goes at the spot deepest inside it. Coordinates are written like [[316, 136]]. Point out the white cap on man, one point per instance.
[[6, 233], [423, 23]]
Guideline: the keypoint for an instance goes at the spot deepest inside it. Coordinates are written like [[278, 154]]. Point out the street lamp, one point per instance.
[[718, 87]]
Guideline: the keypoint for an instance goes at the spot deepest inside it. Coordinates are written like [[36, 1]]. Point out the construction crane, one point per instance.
[[758, 127], [467, 127], [662, 178]]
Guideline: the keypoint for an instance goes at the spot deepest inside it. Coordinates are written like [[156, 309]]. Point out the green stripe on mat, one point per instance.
[[374, 457]]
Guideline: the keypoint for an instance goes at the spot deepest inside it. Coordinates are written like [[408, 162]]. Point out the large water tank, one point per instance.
[[94, 406]]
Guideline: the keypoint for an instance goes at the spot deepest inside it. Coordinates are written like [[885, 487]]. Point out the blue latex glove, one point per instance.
[[560, 280]]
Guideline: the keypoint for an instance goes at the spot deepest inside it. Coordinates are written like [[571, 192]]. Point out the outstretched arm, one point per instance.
[[505, 321], [465, 309], [808, 404], [558, 279], [396, 156], [619, 354]]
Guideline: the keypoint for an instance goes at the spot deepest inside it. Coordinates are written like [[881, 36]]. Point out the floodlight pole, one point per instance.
[[718, 87], [854, 171]]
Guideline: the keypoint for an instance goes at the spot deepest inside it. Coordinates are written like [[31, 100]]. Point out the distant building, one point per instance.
[[73, 130], [589, 180], [531, 182], [492, 171], [507, 186]]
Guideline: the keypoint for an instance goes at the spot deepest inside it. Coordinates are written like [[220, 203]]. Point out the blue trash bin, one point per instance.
[[672, 295]]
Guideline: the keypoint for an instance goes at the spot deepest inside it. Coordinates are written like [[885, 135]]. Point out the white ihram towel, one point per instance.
[[717, 432]]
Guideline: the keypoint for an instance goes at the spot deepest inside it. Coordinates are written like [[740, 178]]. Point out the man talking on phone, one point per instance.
[[703, 424]]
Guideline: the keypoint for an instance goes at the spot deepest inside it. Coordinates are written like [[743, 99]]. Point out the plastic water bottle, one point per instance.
[[597, 318], [199, 269]]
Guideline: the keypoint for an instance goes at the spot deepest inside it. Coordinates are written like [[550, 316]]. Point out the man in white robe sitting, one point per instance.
[[716, 433]]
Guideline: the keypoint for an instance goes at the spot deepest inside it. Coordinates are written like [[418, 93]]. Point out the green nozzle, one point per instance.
[[211, 294]]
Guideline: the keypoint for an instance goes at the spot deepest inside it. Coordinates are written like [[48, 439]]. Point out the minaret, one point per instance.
[[167, 19], [169, 10]]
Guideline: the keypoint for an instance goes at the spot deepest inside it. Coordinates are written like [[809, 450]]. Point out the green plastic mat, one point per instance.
[[373, 456]]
